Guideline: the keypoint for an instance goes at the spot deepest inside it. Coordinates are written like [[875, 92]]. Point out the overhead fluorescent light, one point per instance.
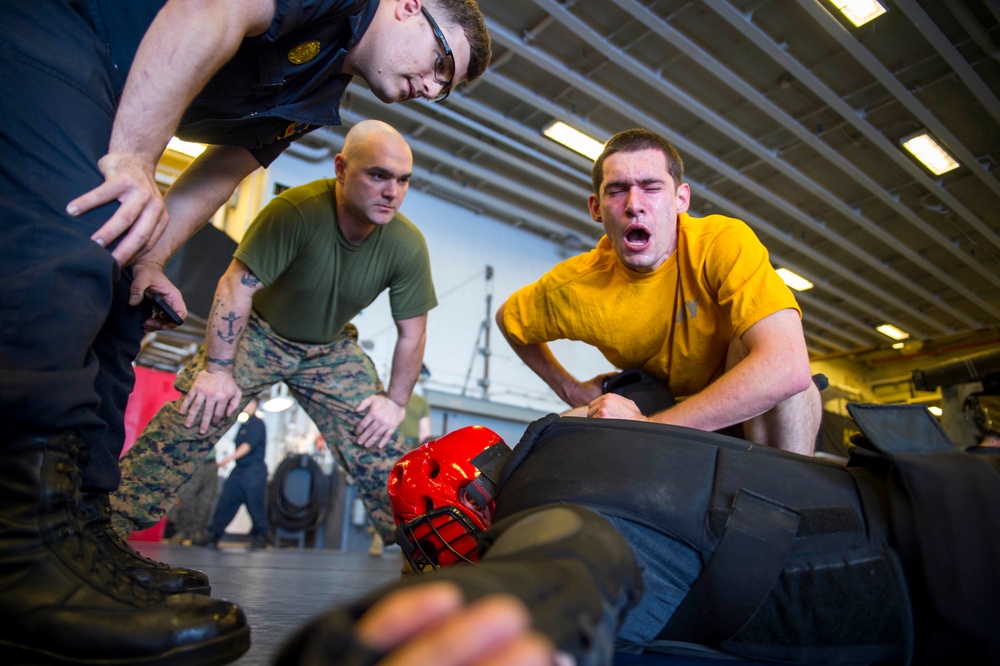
[[930, 153], [898, 345], [859, 12], [186, 147], [892, 332], [794, 281], [573, 139]]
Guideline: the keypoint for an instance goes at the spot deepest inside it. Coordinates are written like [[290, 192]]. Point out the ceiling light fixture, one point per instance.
[[936, 411], [892, 332], [573, 139], [793, 280], [859, 12], [185, 147], [930, 153]]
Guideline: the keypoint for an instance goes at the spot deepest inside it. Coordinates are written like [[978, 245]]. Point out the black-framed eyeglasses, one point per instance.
[[444, 66]]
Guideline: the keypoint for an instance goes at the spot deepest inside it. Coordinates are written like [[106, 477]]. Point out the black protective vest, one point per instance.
[[887, 560]]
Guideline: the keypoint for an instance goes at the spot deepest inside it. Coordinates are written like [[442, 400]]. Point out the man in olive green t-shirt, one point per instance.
[[314, 257]]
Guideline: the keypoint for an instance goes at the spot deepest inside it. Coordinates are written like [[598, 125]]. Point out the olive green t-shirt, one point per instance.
[[315, 281]]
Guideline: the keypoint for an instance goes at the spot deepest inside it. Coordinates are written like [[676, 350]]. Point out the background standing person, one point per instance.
[[313, 258], [246, 484], [693, 302]]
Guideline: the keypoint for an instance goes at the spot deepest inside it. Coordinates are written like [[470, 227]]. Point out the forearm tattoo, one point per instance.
[[232, 332], [233, 327], [249, 280]]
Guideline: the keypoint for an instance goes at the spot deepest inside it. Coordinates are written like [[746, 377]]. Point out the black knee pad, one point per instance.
[[572, 569], [569, 566]]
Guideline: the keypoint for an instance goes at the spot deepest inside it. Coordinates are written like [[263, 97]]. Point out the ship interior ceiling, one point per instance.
[[787, 117]]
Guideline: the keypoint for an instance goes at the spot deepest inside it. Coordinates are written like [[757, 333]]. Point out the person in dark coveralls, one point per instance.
[[245, 485], [92, 92]]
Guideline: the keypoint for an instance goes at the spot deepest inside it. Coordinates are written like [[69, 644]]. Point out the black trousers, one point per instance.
[[247, 484], [67, 334]]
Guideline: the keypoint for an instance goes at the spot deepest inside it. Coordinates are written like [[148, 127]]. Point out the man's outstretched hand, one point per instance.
[[430, 625]]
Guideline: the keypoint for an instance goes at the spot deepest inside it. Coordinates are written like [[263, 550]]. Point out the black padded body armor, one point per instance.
[[805, 560]]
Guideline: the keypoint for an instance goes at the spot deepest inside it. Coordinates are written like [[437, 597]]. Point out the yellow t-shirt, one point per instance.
[[676, 322]]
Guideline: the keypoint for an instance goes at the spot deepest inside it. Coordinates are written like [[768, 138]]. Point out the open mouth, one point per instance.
[[637, 236]]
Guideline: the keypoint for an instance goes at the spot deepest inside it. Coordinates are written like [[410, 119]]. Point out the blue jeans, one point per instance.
[[668, 570]]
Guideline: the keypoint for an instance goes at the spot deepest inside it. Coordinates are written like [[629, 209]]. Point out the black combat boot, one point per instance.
[[61, 602], [156, 575]]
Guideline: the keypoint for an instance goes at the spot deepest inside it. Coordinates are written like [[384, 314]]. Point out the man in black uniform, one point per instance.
[[626, 536], [92, 91], [245, 485]]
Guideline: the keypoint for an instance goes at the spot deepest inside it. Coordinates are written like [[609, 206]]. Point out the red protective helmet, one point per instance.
[[441, 499]]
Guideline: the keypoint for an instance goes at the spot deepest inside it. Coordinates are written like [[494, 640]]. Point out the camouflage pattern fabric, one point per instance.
[[328, 381], [194, 504]]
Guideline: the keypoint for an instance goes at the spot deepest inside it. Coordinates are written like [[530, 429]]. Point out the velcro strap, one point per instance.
[[739, 575], [489, 462]]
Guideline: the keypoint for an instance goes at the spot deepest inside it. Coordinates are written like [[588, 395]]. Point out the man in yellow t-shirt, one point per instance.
[[693, 302]]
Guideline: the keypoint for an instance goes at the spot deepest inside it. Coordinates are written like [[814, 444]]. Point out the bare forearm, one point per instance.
[[407, 359], [228, 317], [733, 398], [198, 193], [186, 44], [543, 363], [750, 388]]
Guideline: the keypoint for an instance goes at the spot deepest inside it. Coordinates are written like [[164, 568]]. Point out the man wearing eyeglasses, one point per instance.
[[93, 90]]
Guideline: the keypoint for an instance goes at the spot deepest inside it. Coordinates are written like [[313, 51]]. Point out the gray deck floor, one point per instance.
[[279, 589]]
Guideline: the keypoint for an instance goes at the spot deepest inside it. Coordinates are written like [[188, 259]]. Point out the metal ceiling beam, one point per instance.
[[835, 29], [744, 25], [572, 166], [943, 45], [717, 69], [504, 36], [821, 260]]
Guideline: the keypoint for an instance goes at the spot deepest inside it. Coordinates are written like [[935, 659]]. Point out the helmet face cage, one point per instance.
[[437, 522], [440, 537]]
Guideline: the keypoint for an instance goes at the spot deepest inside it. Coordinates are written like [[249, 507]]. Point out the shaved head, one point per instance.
[[374, 137], [373, 175]]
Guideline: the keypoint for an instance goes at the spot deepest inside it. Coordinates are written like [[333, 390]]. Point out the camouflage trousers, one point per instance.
[[327, 380], [194, 504]]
